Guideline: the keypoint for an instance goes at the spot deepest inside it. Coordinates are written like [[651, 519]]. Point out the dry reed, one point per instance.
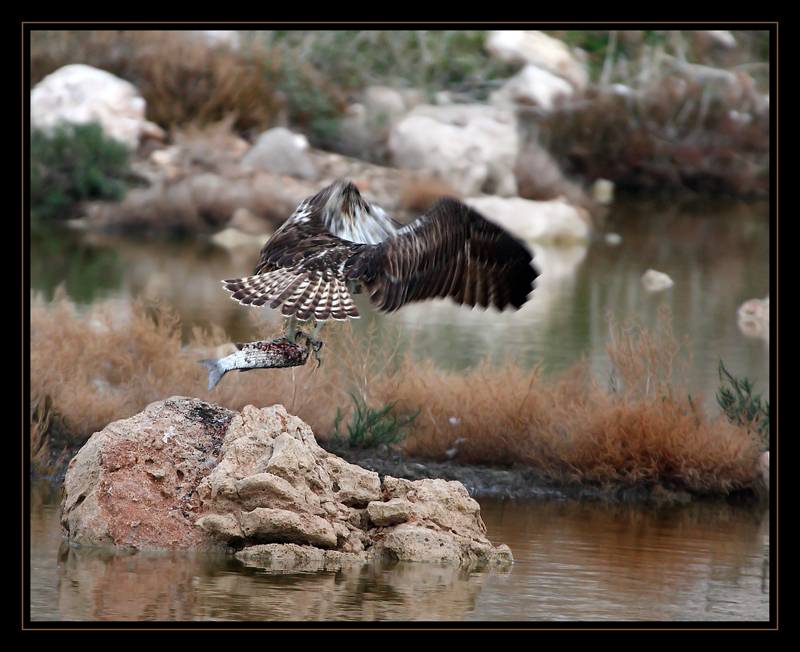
[[108, 362]]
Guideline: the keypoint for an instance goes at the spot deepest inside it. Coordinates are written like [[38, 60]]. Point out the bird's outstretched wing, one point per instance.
[[336, 243], [450, 251]]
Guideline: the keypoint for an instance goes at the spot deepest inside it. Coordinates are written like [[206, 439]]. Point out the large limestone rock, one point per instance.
[[186, 474]]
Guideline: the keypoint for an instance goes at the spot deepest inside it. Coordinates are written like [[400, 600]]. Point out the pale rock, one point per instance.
[[533, 86], [364, 130], [284, 526], [603, 191], [471, 147], [547, 222], [535, 48], [655, 281], [79, 94], [280, 152], [753, 318], [391, 512]]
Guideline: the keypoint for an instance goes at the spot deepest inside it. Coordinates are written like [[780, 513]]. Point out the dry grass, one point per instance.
[[182, 80], [109, 362], [418, 190], [646, 429]]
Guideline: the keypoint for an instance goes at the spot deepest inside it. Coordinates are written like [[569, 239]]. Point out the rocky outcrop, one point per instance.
[[186, 474]]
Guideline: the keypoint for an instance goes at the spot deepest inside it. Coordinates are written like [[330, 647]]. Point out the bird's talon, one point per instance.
[[317, 345], [312, 345]]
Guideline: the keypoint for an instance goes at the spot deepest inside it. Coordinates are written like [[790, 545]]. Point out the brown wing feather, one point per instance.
[[450, 251]]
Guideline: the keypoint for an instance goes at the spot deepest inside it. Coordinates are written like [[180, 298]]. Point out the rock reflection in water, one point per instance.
[[102, 585]]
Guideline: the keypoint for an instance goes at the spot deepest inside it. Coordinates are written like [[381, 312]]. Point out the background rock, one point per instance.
[[279, 151], [81, 94], [533, 86], [552, 222], [472, 147], [536, 48]]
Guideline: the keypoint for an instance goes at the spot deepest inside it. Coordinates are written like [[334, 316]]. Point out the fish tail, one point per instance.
[[215, 372]]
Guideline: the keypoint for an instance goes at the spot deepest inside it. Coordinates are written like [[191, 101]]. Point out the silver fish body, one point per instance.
[[263, 354]]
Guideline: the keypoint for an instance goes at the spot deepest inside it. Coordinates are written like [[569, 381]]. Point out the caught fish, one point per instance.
[[263, 354]]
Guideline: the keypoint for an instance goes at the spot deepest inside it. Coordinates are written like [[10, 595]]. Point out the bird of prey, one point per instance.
[[336, 244]]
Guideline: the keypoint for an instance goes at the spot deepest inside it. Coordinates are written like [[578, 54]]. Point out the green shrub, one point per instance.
[[369, 428], [741, 407], [72, 163]]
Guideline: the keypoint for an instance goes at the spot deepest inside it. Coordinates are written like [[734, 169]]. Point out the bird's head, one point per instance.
[[342, 202], [348, 215]]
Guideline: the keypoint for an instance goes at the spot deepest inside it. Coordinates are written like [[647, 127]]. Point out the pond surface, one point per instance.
[[573, 561]]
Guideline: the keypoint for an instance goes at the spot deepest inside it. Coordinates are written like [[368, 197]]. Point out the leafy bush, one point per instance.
[[73, 163], [369, 427], [740, 406]]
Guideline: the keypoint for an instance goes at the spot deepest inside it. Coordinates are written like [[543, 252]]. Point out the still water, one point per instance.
[[574, 561]]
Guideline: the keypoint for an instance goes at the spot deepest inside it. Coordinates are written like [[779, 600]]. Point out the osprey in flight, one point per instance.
[[336, 244]]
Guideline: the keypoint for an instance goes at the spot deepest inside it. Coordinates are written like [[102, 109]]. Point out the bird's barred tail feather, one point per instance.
[[320, 294]]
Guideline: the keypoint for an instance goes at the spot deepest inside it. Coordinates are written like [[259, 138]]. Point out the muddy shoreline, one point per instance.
[[520, 482]]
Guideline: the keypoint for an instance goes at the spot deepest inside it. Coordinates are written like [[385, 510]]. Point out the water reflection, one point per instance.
[[590, 561], [574, 561], [97, 584]]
